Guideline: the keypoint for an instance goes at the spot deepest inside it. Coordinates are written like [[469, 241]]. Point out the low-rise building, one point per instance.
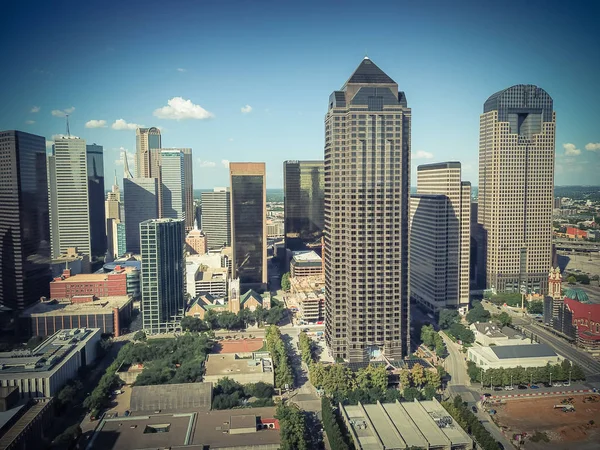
[[249, 300], [508, 356], [25, 424], [43, 371], [404, 425], [241, 368], [196, 241], [211, 281], [73, 260], [308, 293], [235, 429], [306, 264], [97, 284], [488, 333]]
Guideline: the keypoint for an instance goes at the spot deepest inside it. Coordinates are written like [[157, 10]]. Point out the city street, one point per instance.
[[455, 363]]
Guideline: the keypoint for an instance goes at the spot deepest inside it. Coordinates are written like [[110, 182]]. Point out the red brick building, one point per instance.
[[586, 319], [112, 284], [576, 233]]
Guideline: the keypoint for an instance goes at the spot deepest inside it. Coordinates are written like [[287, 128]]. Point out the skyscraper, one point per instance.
[[141, 204], [69, 198], [145, 140], [303, 204], [516, 184], [248, 223], [367, 183], [112, 205], [216, 218], [440, 237], [163, 274], [188, 188], [172, 174], [95, 169], [24, 228]]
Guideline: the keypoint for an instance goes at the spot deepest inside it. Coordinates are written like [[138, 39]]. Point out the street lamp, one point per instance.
[[491, 382], [511, 380], [481, 377], [550, 378], [523, 292], [569, 377]]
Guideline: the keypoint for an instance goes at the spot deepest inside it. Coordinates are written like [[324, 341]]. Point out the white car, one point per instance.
[[557, 384], [509, 388]]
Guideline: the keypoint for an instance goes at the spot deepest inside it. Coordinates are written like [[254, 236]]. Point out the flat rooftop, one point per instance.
[[46, 356], [212, 274], [402, 425], [83, 278], [65, 307], [306, 256], [171, 397], [225, 364], [197, 430]]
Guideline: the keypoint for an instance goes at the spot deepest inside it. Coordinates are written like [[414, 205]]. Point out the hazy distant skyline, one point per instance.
[[249, 81]]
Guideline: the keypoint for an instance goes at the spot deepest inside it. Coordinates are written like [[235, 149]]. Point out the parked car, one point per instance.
[[509, 388], [521, 386], [487, 394], [557, 384], [497, 388], [474, 409], [534, 386], [567, 384], [127, 413]]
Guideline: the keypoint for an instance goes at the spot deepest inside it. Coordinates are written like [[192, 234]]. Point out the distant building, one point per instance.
[[306, 264], [248, 220], [69, 197], [274, 228], [43, 371], [145, 140], [72, 260], [440, 236], [585, 319], [244, 370], [232, 303], [99, 285], [309, 295], [172, 184], [576, 233], [507, 356], [141, 204], [404, 425], [196, 241], [24, 226], [116, 234], [97, 218], [216, 218], [304, 191], [163, 274], [211, 281], [112, 204], [516, 187], [109, 314]]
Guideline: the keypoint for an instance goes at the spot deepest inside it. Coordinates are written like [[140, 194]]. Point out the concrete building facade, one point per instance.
[[516, 187], [216, 218], [69, 198], [24, 226], [172, 184], [367, 187], [248, 223], [440, 235], [145, 140], [163, 274], [141, 204]]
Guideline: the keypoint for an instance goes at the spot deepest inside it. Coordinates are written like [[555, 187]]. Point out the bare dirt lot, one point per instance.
[[563, 428]]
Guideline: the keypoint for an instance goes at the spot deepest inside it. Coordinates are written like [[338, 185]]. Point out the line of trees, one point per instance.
[[338, 440], [469, 422], [215, 320], [229, 394], [307, 348], [525, 375], [280, 354], [433, 340], [285, 282], [292, 427], [478, 313]]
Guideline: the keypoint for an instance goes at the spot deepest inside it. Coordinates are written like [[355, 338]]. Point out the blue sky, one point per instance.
[[256, 75]]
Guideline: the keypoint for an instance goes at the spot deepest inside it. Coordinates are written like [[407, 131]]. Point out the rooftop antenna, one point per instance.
[[68, 131]]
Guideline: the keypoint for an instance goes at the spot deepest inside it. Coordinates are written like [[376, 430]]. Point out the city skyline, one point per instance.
[[236, 101]]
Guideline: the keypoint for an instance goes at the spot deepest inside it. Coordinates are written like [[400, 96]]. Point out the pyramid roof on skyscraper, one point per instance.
[[368, 72]]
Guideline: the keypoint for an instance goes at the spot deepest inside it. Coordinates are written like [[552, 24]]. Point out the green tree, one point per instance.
[[67, 437], [411, 393], [139, 336], [194, 324], [292, 427], [447, 317], [418, 375], [427, 336], [478, 314], [285, 281], [473, 371], [405, 378], [433, 378], [571, 279], [503, 319], [331, 426], [429, 392], [535, 307]]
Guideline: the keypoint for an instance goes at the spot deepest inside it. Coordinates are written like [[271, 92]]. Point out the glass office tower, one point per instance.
[[95, 169]]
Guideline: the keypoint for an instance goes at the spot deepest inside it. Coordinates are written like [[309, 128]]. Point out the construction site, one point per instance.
[[561, 422]]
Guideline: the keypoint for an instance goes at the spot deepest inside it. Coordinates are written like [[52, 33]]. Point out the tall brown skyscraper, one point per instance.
[[367, 184], [516, 185], [248, 223], [146, 139]]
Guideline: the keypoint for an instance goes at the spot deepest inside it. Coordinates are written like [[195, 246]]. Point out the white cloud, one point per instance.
[[422, 154], [593, 146], [179, 69], [246, 109], [121, 124], [225, 163], [95, 123], [178, 109], [62, 112], [230, 139], [130, 158], [571, 150], [30, 122], [202, 163], [35, 109]]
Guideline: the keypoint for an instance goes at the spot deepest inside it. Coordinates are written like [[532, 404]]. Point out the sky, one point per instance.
[[250, 80]]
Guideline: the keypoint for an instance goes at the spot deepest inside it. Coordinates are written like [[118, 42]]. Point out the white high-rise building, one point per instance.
[[516, 187], [172, 179], [216, 218], [68, 193], [440, 237]]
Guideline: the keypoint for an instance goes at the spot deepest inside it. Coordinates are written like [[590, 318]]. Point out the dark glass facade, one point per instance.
[[95, 169], [24, 220], [303, 204], [248, 228]]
